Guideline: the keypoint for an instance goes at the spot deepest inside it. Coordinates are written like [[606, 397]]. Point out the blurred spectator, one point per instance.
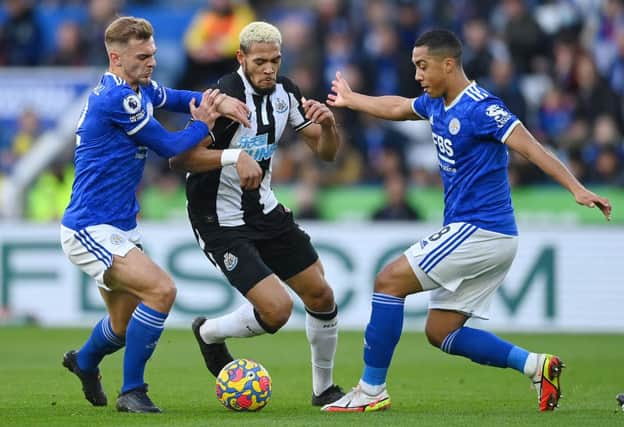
[[608, 167], [306, 193], [101, 14], [594, 97], [376, 139], [615, 74], [70, 48], [298, 43], [477, 53], [555, 114], [21, 35], [409, 23], [387, 69], [21, 142], [330, 14], [565, 50], [396, 207], [610, 19], [347, 169], [211, 42], [605, 133], [502, 81], [339, 51], [523, 35], [50, 193]]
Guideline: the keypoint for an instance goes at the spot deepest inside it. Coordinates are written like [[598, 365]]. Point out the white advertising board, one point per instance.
[[563, 279]]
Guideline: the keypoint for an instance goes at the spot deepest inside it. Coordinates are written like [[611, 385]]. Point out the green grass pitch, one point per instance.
[[427, 386]]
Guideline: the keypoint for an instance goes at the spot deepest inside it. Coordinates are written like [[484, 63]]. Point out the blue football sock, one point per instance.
[[485, 348], [517, 358], [382, 335], [102, 341], [144, 330]]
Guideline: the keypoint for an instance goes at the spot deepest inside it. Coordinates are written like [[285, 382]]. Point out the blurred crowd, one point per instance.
[[558, 65]]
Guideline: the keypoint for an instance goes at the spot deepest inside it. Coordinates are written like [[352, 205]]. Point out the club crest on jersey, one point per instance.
[[499, 114], [454, 126], [116, 239], [132, 104], [230, 261], [280, 105]]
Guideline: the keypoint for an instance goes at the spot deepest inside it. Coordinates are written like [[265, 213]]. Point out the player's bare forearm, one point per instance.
[[388, 107], [329, 143], [524, 143], [197, 159]]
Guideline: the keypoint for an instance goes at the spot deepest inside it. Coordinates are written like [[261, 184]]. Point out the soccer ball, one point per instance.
[[244, 385]]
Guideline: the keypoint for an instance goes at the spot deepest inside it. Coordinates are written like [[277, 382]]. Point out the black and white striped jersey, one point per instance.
[[217, 196]]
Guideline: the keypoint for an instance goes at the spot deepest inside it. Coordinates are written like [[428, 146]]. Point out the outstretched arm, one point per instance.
[[385, 107], [232, 108], [524, 143]]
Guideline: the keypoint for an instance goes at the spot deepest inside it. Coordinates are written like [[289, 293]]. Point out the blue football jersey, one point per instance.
[[114, 131], [469, 137]]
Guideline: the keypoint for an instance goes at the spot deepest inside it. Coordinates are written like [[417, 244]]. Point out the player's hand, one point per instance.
[[207, 111], [591, 200], [236, 110], [341, 91], [249, 172], [317, 112]]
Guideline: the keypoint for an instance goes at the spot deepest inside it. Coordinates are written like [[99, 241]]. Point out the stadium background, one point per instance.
[[559, 65]]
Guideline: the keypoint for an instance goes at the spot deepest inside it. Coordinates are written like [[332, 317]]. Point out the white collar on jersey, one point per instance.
[[458, 97], [248, 85]]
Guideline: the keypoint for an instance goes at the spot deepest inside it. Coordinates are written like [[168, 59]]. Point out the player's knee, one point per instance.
[[164, 295], [118, 326], [278, 314], [385, 282], [436, 335], [320, 299], [434, 339]]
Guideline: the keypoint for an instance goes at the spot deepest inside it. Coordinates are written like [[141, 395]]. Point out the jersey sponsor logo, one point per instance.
[[141, 152], [445, 148], [257, 147], [137, 117], [454, 126], [280, 105], [230, 261], [499, 114], [132, 104]]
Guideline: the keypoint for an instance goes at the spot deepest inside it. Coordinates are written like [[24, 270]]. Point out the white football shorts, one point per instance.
[[92, 248], [462, 265]]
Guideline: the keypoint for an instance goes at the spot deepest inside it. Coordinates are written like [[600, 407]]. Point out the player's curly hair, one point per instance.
[[259, 32], [124, 28]]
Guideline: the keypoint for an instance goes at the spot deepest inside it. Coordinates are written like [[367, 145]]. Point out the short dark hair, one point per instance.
[[441, 43]]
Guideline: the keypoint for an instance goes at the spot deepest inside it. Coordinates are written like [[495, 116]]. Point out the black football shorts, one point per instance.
[[246, 261]]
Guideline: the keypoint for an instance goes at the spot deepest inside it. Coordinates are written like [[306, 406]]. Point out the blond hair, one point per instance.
[[124, 28], [259, 32]]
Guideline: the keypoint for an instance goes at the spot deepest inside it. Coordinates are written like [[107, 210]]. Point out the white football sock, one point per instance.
[[240, 323], [530, 366], [372, 390], [323, 338]]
